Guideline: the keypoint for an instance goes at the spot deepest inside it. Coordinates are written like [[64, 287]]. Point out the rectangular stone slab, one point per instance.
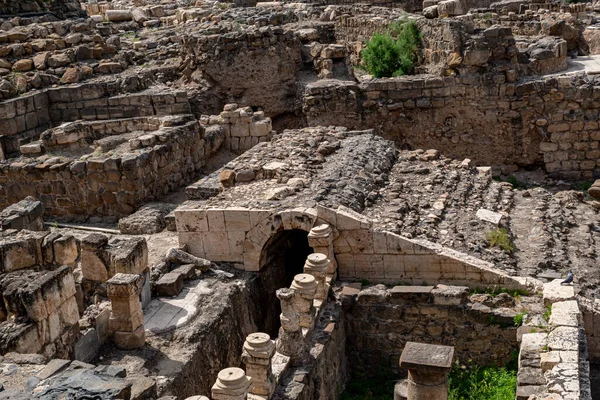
[[426, 356]]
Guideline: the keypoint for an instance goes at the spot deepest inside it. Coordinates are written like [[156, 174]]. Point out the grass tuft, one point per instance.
[[500, 238]]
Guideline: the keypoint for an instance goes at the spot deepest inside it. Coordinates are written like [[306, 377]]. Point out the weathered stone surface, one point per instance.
[[170, 284], [181, 257], [148, 219]]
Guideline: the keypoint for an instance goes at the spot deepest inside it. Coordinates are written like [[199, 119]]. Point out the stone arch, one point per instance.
[[259, 235]]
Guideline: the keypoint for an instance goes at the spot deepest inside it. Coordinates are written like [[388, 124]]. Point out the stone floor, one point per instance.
[[165, 314], [589, 64]]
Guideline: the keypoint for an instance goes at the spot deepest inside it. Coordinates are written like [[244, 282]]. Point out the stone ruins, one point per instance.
[[215, 200]]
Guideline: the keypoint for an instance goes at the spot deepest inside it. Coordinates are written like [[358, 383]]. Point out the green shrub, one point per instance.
[[518, 319], [393, 53], [481, 383], [500, 238]]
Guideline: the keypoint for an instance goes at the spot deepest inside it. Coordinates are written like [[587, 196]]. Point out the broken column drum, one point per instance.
[[428, 367], [126, 318], [317, 265], [232, 384], [305, 286], [257, 354], [290, 341], [320, 238]]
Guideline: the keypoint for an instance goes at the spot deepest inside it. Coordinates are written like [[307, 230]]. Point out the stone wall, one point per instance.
[[63, 8], [111, 185], [26, 117], [40, 312], [240, 235], [554, 361], [381, 320], [242, 127], [26, 214], [253, 66], [551, 121]]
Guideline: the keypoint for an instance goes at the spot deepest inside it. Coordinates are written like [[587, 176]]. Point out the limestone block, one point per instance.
[[565, 313], [28, 340], [127, 255], [359, 240], [530, 376], [92, 265], [69, 312], [118, 15], [216, 219], [181, 257], [123, 285], [555, 292], [449, 8], [126, 323], [564, 338], [17, 254], [188, 271], [450, 295], [191, 220], [398, 245], [260, 128], [170, 284], [125, 305], [532, 344], [65, 250], [237, 219], [241, 129], [130, 340], [549, 360], [348, 219], [54, 326]]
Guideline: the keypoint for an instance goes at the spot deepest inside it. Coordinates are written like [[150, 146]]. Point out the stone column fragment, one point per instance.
[[126, 318], [290, 341], [320, 238], [232, 384], [317, 265], [428, 367], [305, 287], [257, 353]]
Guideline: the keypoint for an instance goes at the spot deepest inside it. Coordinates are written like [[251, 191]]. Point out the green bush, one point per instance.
[[500, 238], [481, 383], [518, 319], [394, 52]]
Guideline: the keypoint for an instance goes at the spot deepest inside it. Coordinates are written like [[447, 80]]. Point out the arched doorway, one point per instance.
[[282, 258]]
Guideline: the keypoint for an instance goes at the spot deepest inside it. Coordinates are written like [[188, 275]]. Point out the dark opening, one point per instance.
[[282, 258]]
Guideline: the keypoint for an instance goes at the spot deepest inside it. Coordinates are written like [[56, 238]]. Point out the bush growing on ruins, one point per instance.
[[477, 383], [518, 319], [394, 52], [500, 238]]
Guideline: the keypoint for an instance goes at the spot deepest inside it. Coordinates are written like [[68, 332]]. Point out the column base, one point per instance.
[[130, 340]]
